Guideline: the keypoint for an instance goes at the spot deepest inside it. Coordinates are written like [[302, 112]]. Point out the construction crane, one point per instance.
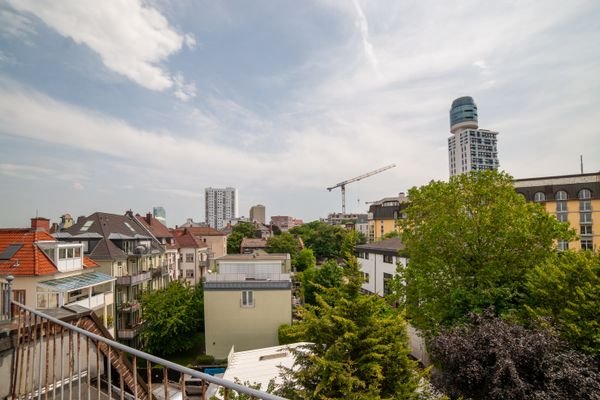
[[358, 178]]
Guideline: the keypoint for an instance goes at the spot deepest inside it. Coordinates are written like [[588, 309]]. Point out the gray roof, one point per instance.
[[76, 282], [247, 285], [388, 246]]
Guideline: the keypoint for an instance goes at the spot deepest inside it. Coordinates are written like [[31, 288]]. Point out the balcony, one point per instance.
[[129, 280], [128, 333], [95, 301]]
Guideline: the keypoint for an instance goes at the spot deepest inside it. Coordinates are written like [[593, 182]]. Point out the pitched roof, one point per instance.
[[188, 240], [255, 243], [28, 259], [154, 226], [199, 231]]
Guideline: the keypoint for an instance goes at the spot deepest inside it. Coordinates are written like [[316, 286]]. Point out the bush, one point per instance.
[[205, 359]]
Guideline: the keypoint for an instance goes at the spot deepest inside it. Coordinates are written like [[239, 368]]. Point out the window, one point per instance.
[[388, 259], [585, 194], [586, 230], [585, 218], [247, 298], [563, 245], [366, 277], [189, 258], [364, 255], [561, 206], [539, 196], [560, 195], [562, 217], [62, 253], [585, 205], [77, 252], [586, 244], [386, 287], [189, 273]]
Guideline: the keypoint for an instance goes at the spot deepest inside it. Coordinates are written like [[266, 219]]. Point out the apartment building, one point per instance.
[[124, 249], [50, 274], [220, 205], [246, 299], [193, 257], [257, 214], [384, 214], [378, 262], [571, 198]]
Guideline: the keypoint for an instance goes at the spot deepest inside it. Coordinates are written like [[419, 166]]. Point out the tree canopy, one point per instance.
[[565, 291], [171, 318], [284, 243], [305, 260], [317, 279], [327, 241], [360, 348], [239, 231], [490, 358], [471, 242]]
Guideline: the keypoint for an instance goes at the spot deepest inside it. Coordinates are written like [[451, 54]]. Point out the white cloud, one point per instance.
[[183, 91], [131, 38], [24, 171], [78, 186], [363, 26]]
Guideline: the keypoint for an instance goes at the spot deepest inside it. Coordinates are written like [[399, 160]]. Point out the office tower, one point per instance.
[[257, 213], [160, 214], [220, 205], [470, 148]]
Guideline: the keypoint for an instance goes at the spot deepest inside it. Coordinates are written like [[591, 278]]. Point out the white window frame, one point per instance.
[[247, 299]]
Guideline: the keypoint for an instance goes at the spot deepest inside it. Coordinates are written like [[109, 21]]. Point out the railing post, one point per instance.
[[9, 297]]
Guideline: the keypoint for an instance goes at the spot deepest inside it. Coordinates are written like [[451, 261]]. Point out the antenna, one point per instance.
[[581, 162]]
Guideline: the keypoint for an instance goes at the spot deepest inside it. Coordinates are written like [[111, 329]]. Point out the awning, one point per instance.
[[76, 282]]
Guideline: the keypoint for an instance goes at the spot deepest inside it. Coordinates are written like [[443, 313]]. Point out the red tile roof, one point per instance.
[[31, 259], [154, 226], [188, 240]]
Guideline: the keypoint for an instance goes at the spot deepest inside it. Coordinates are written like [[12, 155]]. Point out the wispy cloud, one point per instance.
[[15, 25], [131, 38], [363, 26]]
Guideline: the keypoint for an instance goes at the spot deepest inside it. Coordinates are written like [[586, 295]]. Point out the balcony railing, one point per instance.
[[134, 279], [76, 360]]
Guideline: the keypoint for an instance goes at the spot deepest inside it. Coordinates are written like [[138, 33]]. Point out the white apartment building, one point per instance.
[[470, 148], [378, 263], [221, 205]]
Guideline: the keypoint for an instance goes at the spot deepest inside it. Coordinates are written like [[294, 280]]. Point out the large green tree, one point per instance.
[[306, 259], [326, 241], [239, 231], [565, 291], [317, 280], [172, 316], [471, 242], [359, 348], [284, 243]]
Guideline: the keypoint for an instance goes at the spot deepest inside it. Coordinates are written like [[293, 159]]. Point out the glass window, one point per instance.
[[562, 217], [561, 195], [539, 196], [366, 277], [189, 273], [585, 218], [388, 259], [585, 205], [586, 244], [561, 206], [563, 245], [62, 253], [77, 252], [586, 230], [247, 298], [386, 287], [585, 194], [189, 258]]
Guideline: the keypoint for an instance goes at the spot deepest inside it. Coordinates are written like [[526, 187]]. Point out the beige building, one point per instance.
[[246, 300], [257, 214], [571, 198]]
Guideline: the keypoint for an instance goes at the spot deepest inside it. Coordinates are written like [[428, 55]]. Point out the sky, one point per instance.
[[129, 104]]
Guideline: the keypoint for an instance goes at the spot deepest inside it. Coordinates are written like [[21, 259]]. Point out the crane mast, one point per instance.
[[343, 184]]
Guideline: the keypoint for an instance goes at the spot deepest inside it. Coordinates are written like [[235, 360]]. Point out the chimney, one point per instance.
[[55, 228], [402, 197], [129, 213], [149, 218], [39, 224]]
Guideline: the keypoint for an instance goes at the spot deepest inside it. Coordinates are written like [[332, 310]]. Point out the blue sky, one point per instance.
[[116, 105]]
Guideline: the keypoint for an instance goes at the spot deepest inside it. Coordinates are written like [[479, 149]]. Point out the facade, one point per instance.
[[383, 216], [220, 205], [215, 240], [257, 214], [159, 230], [253, 245], [285, 222], [571, 198], [378, 262], [124, 249], [246, 299], [193, 257], [160, 214], [51, 274], [470, 148]]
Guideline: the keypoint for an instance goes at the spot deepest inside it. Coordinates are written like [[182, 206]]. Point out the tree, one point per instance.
[[471, 242], [317, 279], [325, 240], [239, 231], [566, 291], [171, 318], [284, 243], [359, 348], [494, 359], [305, 260]]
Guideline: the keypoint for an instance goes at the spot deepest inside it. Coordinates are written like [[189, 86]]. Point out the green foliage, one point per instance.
[[285, 334], [360, 348], [566, 290], [325, 240], [205, 359], [171, 318], [490, 358], [391, 235], [305, 260], [284, 243], [240, 231], [471, 242], [317, 279], [350, 240]]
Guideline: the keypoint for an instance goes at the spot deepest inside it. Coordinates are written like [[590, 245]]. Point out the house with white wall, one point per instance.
[[378, 262]]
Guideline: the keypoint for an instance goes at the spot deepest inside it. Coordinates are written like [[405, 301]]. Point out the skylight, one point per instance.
[[86, 226], [129, 226], [10, 251]]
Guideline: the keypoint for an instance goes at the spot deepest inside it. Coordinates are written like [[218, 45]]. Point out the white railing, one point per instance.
[[91, 302], [252, 276]]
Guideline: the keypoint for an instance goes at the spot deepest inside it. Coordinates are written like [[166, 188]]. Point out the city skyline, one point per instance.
[[160, 100]]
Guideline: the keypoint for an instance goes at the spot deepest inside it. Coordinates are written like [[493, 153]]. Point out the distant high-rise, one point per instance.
[[257, 213], [160, 214], [470, 148], [220, 205]]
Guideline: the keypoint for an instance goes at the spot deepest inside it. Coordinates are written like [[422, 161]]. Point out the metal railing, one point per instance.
[[55, 358], [5, 298]]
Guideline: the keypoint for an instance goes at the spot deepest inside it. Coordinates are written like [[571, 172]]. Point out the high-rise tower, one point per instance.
[[470, 148], [220, 205]]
